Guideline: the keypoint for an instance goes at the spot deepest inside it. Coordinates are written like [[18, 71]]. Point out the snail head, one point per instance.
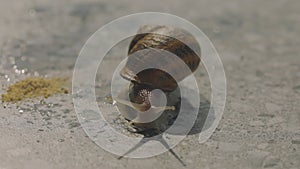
[[143, 98]]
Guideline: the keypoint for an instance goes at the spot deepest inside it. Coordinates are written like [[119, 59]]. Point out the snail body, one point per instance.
[[145, 81]]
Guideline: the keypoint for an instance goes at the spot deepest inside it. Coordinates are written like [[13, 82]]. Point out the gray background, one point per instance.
[[258, 42]]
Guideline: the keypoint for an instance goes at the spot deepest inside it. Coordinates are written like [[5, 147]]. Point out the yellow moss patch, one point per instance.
[[34, 87]]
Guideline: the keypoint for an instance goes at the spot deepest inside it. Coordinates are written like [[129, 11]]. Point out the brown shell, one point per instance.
[[165, 38]]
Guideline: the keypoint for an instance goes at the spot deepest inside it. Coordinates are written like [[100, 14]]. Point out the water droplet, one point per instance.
[[42, 101], [61, 140], [50, 105], [17, 71]]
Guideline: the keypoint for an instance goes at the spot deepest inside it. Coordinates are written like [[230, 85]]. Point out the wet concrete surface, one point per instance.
[[258, 42]]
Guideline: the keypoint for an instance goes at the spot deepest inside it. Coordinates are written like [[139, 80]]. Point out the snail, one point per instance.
[[153, 84]]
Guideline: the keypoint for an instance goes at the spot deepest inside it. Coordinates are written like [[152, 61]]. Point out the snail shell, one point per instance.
[[170, 39], [164, 38]]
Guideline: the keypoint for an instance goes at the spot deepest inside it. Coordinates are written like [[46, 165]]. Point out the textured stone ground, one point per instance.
[[258, 42]]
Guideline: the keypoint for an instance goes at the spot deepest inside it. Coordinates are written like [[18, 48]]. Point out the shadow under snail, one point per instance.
[[149, 88]]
